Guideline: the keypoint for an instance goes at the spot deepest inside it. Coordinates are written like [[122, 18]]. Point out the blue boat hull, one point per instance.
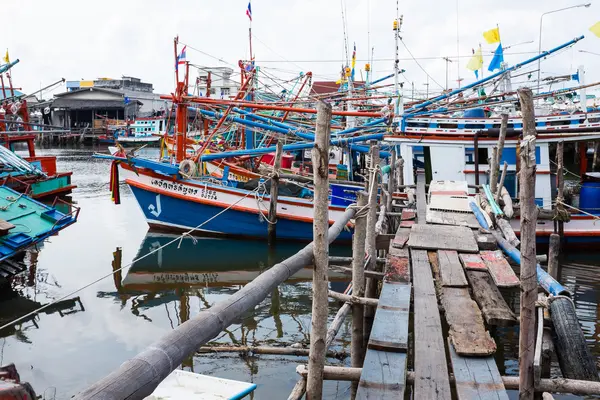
[[169, 213]]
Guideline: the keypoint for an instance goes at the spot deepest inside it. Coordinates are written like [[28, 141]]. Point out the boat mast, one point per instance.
[[397, 26]]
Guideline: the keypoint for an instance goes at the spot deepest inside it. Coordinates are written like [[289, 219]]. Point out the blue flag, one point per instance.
[[498, 58]]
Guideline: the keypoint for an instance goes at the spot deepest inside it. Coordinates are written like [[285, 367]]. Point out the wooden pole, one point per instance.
[[138, 377], [557, 385], [271, 350], [354, 300], [391, 184], [528, 247], [560, 183], [358, 283], [553, 252], [400, 173], [371, 236], [493, 170], [320, 311], [272, 228], [501, 138], [501, 184]]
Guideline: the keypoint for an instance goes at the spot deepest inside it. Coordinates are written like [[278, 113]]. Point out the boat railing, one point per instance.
[[74, 213], [10, 178]]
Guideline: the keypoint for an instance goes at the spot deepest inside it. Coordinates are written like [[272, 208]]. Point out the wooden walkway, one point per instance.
[[442, 266]]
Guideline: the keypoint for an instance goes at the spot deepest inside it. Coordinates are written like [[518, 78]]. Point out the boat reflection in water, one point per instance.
[[207, 262]]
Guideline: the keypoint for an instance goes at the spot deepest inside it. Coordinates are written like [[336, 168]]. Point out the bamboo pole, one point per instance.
[[139, 376], [528, 248], [560, 183], [493, 170], [557, 385], [553, 252], [358, 284], [371, 236], [391, 184], [320, 311], [348, 271], [271, 350], [272, 228], [354, 300]]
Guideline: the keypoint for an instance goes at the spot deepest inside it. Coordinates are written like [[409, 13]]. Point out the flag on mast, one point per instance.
[[476, 62], [498, 58], [6, 59], [249, 12], [181, 58], [353, 63], [492, 36], [595, 29]]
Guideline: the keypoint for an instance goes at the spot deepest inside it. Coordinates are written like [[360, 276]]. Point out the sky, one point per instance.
[[88, 40]]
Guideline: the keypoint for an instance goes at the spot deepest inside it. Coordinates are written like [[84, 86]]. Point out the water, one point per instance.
[[119, 316]]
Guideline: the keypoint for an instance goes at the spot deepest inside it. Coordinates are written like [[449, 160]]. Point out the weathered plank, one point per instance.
[[472, 261], [442, 237], [401, 238], [486, 241], [421, 201], [488, 297], [477, 377], [500, 269], [397, 269], [390, 328], [383, 376], [452, 218], [467, 332], [451, 271], [431, 371]]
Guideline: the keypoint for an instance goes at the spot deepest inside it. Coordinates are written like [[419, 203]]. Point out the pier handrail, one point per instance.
[[139, 376]]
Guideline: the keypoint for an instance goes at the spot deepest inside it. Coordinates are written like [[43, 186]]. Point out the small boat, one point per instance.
[[180, 385]]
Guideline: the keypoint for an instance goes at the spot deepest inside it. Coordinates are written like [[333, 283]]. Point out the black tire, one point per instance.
[[574, 356]]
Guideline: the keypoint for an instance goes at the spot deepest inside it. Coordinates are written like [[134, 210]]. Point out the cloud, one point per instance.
[[74, 39]]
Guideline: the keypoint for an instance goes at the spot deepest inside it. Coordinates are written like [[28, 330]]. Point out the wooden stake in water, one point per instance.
[[358, 285], [391, 187], [528, 260], [318, 332], [371, 237], [272, 229]]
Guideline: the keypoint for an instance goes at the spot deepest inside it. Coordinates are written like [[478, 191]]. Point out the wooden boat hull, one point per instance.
[[180, 205]]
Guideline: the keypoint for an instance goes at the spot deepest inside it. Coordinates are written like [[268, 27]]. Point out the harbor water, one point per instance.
[[161, 281]]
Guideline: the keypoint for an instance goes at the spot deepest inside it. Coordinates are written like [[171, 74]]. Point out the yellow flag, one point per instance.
[[476, 62], [595, 29], [492, 36], [6, 59]]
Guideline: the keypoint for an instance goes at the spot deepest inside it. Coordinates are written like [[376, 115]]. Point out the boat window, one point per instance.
[[448, 126], [160, 125], [474, 126], [470, 155]]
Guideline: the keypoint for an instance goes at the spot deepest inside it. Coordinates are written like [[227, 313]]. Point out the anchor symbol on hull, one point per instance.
[[155, 210]]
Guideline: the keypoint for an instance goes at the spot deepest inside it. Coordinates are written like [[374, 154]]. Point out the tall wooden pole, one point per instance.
[[358, 285], [391, 186], [528, 260], [493, 170], [272, 229], [320, 158], [560, 183], [553, 252], [371, 237]]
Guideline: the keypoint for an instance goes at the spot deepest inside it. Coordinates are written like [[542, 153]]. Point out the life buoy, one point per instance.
[[187, 168]]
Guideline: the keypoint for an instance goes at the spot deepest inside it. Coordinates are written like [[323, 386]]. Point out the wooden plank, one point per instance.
[[390, 327], [397, 269], [421, 201], [467, 331], [500, 269], [401, 238], [431, 370], [472, 261], [537, 356], [409, 214], [451, 271], [452, 218], [383, 376], [488, 297], [442, 237], [476, 377]]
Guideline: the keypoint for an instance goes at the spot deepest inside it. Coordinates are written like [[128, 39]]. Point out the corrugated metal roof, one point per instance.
[[91, 104]]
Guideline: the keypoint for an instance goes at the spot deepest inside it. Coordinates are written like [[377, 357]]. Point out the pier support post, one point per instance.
[[400, 172], [528, 247], [560, 184], [501, 139], [318, 332], [272, 228], [371, 237], [493, 170], [391, 185], [358, 285], [553, 252]]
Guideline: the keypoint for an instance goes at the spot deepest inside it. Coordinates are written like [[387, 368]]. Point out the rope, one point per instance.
[[179, 238], [577, 209]]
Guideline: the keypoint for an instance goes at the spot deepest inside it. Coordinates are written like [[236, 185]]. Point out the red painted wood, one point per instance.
[[472, 261], [501, 271]]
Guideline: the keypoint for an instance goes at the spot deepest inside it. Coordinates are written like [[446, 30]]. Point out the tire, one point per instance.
[[574, 356]]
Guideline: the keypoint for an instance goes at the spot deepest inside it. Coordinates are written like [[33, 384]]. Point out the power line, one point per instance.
[[420, 66]]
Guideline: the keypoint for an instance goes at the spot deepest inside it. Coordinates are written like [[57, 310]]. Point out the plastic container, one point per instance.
[[589, 197], [343, 195]]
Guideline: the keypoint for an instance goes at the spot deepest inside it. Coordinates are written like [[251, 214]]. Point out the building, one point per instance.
[[222, 86], [131, 88], [88, 107]]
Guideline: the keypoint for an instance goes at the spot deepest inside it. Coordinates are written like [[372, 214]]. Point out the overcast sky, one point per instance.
[[85, 39]]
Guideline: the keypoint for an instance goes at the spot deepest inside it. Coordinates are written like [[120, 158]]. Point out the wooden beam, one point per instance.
[[451, 271], [500, 270], [491, 302], [442, 237], [431, 371], [348, 271], [353, 299]]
